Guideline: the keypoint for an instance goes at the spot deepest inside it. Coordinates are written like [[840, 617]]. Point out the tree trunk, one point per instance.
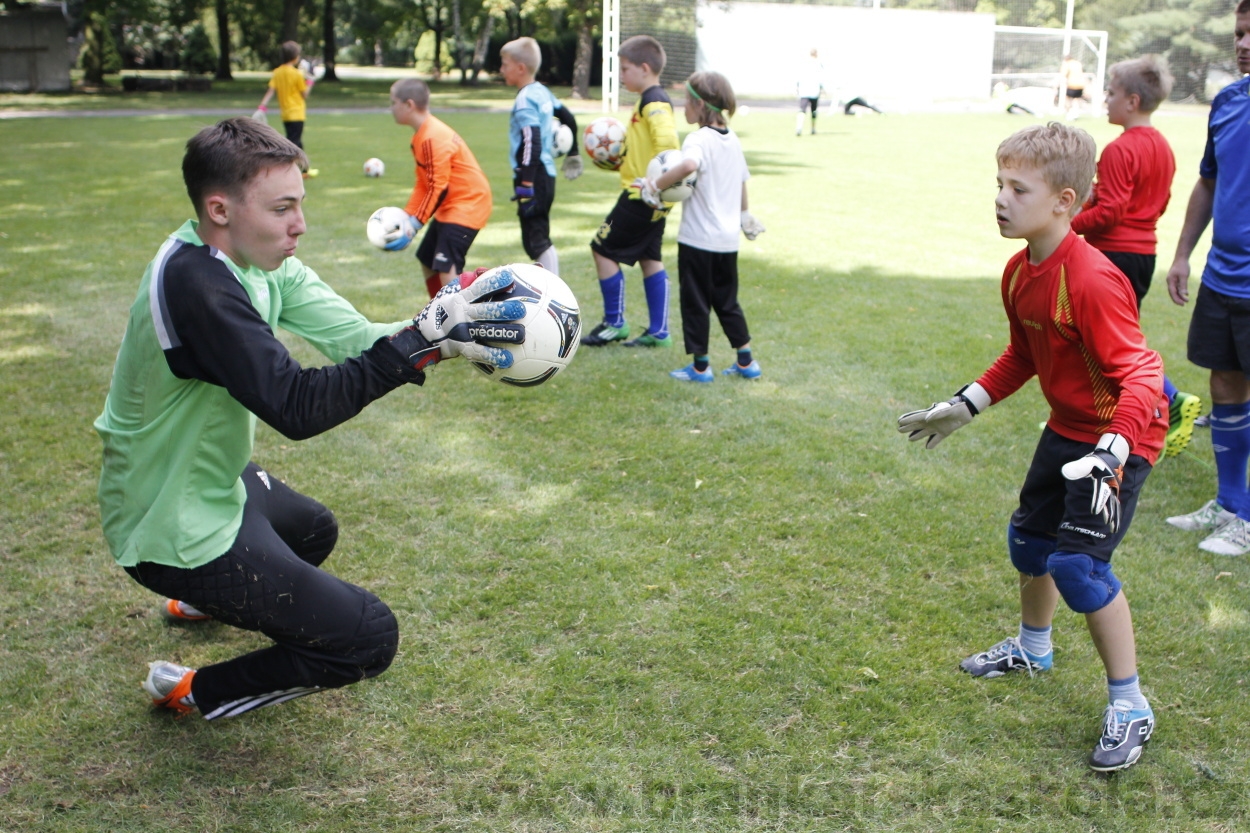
[[581, 62], [93, 50], [458, 40], [223, 46], [438, 26], [479, 48], [290, 19], [330, 48], [377, 53]]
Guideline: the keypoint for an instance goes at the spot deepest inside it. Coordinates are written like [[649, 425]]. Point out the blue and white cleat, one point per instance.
[[751, 371], [689, 374], [1125, 731], [1004, 657]]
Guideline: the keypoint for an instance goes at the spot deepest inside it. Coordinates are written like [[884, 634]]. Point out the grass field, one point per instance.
[[627, 603]]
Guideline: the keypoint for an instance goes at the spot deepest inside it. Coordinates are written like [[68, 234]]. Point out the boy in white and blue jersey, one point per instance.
[[531, 135]]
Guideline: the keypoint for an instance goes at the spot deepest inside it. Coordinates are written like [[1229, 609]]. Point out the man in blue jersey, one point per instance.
[[185, 511], [1219, 332], [530, 146]]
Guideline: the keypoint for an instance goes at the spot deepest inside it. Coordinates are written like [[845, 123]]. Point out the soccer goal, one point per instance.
[[1027, 60]]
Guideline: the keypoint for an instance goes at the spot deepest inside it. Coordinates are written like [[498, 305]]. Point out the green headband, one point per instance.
[[698, 97]]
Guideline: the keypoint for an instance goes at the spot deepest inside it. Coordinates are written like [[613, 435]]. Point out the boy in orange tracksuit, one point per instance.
[[451, 195]]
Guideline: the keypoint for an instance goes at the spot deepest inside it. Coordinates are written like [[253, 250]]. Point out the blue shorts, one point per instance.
[[1055, 507]]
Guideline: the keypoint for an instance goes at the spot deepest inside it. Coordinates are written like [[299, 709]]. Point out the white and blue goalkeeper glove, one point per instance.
[[941, 419], [457, 322], [1104, 466], [399, 237], [751, 227]]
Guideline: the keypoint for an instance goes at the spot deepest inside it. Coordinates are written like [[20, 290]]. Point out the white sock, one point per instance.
[[1128, 689], [550, 260], [1035, 640], [798, 123]]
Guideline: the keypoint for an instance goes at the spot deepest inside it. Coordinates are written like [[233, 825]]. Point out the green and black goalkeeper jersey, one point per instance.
[[651, 129], [198, 364]]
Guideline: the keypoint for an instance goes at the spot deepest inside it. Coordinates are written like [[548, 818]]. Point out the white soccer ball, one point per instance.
[[374, 167], [553, 326], [604, 143], [561, 139], [664, 162], [383, 223]]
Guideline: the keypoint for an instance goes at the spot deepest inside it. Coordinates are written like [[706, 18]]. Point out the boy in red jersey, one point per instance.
[[1132, 192], [451, 196], [1073, 320]]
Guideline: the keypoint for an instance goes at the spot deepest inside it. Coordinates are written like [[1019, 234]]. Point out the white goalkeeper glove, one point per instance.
[[751, 227], [261, 114], [457, 320], [649, 193], [399, 237], [941, 419], [572, 167], [1104, 466]]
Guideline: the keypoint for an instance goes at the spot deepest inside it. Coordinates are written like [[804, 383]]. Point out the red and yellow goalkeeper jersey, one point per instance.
[[450, 186], [1074, 325]]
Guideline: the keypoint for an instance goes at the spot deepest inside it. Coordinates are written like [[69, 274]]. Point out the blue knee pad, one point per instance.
[[1028, 551], [1086, 583]]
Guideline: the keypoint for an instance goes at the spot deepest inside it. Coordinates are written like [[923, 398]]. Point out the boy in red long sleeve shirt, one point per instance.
[[1132, 191], [1074, 325]]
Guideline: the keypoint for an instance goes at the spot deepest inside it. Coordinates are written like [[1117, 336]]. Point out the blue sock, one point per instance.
[[613, 290], [1127, 689], [656, 288], [1169, 389], [1230, 438], [1035, 641]]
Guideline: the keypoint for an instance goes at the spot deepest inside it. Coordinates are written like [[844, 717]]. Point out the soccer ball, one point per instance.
[[562, 138], [385, 221], [604, 142], [374, 167], [665, 161], [553, 326]]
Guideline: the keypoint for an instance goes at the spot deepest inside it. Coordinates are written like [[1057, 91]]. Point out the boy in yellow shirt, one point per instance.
[[292, 88]]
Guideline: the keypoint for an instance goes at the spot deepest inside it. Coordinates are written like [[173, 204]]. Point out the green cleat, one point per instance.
[[648, 340], [1184, 409]]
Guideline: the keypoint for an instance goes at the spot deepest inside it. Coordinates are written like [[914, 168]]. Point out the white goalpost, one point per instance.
[[611, 43]]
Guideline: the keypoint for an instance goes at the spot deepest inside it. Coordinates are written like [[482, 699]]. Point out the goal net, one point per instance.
[[1027, 60]]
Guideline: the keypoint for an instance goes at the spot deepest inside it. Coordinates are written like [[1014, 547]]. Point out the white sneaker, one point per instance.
[[1233, 538], [1210, 517]]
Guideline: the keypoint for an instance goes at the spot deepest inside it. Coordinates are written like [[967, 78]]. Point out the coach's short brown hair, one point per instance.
[[230, 154]]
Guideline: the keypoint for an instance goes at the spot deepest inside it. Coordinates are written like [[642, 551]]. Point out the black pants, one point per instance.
[[536, 215], [709, 281], [1139, 269], [327, 633], [295, 132]]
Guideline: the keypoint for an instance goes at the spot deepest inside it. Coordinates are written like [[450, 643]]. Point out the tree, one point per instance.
[[223, 41], [329, 42]]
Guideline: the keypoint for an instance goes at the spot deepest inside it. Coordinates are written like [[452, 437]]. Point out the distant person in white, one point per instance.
[[810, 85]]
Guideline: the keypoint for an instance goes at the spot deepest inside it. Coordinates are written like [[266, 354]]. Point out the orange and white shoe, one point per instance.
[[176, 611], [169, 685]]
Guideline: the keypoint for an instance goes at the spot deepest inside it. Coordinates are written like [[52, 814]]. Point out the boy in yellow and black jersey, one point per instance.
[[634, 229]]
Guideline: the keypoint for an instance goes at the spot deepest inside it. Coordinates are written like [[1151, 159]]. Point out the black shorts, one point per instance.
[[633, 231], [1054, 507], [1076, 92], [1139, 269], [295, 132], [1219, 331], [806, 104], [327, 633], [535, 215], [445, 247]]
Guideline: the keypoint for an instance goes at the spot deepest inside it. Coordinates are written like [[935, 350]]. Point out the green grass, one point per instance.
[[626, 604], [363, 88]]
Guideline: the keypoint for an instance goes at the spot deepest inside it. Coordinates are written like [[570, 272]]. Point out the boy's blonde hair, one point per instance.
[[1146, 77], [525, 51], [1064, 155], [414, 90], [644, 49], [714, 93]]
